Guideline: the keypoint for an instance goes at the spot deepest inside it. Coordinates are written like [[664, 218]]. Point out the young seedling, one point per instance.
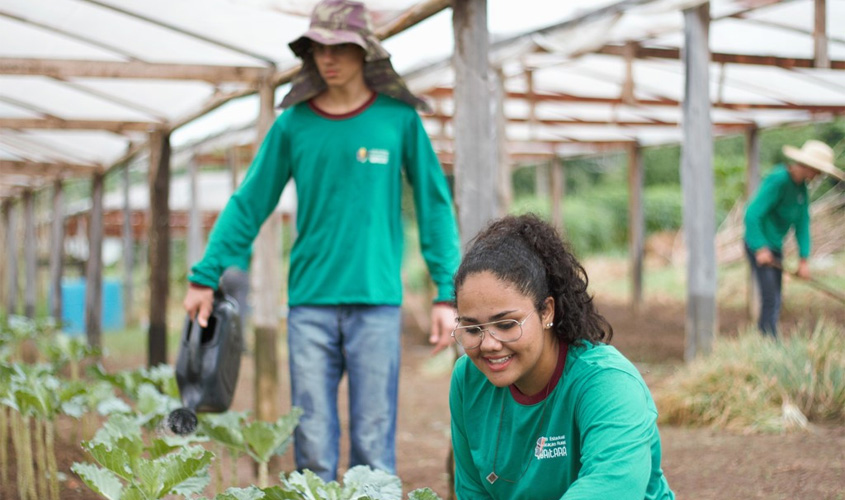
[[131, 470], [265, 439]]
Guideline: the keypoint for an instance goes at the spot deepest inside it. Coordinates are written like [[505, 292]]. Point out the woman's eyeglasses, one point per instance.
[[506, 330]]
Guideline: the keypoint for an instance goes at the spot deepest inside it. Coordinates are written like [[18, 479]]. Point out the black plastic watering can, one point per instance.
[[208, 364]]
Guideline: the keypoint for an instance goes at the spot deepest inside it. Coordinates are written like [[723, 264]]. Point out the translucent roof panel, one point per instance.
[[80, 63]]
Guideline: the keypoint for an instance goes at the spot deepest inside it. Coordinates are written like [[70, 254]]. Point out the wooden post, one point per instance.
[[752, 182], [556, 183], [475, 183], [11, 257], [636, 224], [820, 45], [128, 251], [159, 249], [541, 170], [630, 54], [94, 266], [5, 221], [268, 278], [195, 245], [57, 240], [29, 253], [232, 163], [505, 191], [697, 185]]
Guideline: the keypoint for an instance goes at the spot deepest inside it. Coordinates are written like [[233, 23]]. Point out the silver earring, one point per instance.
[[550, 324]]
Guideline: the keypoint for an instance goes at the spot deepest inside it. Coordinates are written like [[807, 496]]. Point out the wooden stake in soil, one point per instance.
[[52, 467], [4, 438], [40, 459]]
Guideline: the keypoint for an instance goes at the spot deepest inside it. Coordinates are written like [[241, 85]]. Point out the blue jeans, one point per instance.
[[324, 342], [769, 280]]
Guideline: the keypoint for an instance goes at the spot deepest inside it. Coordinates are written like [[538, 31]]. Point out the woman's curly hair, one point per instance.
[[529, 253]]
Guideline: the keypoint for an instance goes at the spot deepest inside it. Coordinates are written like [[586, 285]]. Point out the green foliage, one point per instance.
[[597, 221], [748, 383], [265, 439], [662, 166], [359, 483], [129, 381], [130, 469]]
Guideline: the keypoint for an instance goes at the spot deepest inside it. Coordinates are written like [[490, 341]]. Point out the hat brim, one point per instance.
[[797, 155], [372, 48]]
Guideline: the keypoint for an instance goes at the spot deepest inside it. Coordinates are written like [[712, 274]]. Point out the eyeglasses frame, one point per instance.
[[486, 330]]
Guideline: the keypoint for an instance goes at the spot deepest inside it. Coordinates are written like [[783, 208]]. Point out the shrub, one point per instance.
[[751, 382]]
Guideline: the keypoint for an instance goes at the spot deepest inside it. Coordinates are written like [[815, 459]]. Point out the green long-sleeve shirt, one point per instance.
[[348, 176], [778, 205], [594, 436]]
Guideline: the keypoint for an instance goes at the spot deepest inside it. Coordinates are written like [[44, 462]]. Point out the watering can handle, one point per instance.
[[194, 346]]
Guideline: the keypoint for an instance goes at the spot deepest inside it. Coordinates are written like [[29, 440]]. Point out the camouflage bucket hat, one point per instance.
[[334, 22]]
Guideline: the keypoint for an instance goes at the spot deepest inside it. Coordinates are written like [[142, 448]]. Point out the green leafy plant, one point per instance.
[[359, 483], [64, 350], [129, 469], [265, 439], [224, 429]]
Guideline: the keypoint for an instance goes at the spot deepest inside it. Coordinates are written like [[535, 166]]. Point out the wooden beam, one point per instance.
[[752, 181], [619, 123], [59, 124], [505, 183], [69, 68], [415, 14], [629, 51], [636, 224], [446, 92], [29, 253], [474, 184], [159, 246], [128, 251], [11, 257], [721, 58], [821, 55], [57, 239], [43, 169], [268, 293], [697, 185], [195, 244], [556, 183], [94, 266]]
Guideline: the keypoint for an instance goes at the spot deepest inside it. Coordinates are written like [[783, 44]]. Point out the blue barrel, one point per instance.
[[73, 305]]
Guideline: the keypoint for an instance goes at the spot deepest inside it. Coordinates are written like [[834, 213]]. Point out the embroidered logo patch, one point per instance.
[[373, 156], [550, 447]]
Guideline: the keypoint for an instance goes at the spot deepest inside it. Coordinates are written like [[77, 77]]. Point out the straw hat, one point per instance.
[[816, 155], [335, 22]]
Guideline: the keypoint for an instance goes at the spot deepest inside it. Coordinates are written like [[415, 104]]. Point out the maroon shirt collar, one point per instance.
[[521, 398], [343, 116]]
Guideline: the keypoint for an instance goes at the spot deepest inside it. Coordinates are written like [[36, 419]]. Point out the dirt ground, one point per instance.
[[700, 464]]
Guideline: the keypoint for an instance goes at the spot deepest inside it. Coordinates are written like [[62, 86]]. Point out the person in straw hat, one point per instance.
[[349, 132], [782, 203]]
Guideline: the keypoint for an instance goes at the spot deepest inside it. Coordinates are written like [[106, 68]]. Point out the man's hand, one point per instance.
[[442, 323], [198, 303], [803, 271], [764, 257]]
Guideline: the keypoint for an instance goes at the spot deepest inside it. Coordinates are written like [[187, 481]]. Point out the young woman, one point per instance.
[[542, 407]]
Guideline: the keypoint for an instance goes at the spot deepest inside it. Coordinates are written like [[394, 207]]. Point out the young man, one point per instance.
[[349, 132], [781, 203]]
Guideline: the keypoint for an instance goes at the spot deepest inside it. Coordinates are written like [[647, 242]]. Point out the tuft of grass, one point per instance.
[[753, 384]]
